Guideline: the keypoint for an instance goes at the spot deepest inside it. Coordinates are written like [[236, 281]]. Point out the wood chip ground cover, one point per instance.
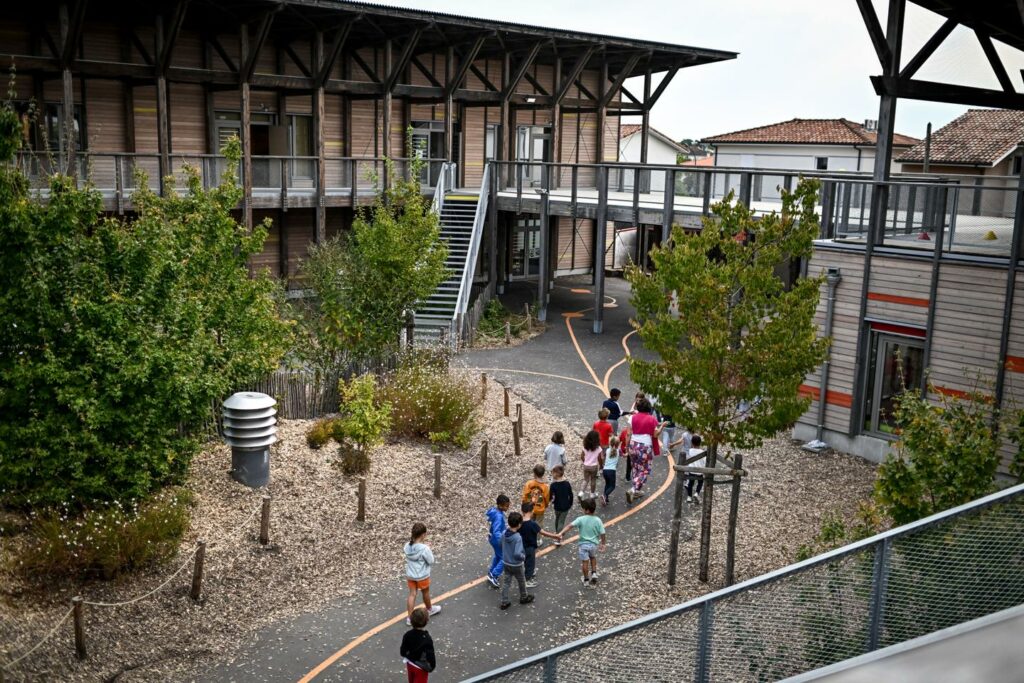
[[319, 553]]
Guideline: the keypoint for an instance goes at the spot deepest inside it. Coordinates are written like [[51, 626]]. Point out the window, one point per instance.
[[896, 364], [1016, 165], [490, 142], [300, 143], [821, 163]]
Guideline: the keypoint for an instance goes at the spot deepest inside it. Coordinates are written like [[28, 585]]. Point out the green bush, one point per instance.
[[353, 460], [435, 403], [320, 433], [104, 542], [492, 323]]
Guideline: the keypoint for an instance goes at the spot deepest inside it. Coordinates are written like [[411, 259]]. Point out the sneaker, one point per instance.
[[505, 605], [604, 501], [493, 581], [689, 499], [558, 544], [408, 621], [593, 580], [434, 609], [531, 583], [696, 498], [585, 580], [629, 496], [526, 600]]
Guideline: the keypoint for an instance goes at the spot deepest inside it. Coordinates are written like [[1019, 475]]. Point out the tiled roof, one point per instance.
[[979, 136], [627, 129], [810, 132]]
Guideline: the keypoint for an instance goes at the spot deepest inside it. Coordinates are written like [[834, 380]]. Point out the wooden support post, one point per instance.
[[519, 418], [705, 517], [483, 460], [265, 521], [508, 332], [319, 144], [246, 141], [410, 329], [529, 319], [386, 103], [677, 523], [483, 386], [67, 122], [361, 506], [197, 571], [506, 401], [437, 477], [734, 511], [515, 437], [79, 616]]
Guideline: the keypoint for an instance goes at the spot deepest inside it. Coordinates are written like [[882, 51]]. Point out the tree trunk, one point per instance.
[[705, 518]]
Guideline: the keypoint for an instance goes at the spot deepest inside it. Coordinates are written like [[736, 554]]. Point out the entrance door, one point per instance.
[[897, 364], [428, 143], [525, 249], [533, 145], [265, 172]]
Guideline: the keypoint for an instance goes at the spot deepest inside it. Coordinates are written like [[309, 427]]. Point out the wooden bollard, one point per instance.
[[483, 460], [515, 436], [506, 401], [265, 521], [519, 418], [361, 506], [79, 617], [508, 332], [437, 476], [197, 571], [734, 511], [483, 386], [529, 320]]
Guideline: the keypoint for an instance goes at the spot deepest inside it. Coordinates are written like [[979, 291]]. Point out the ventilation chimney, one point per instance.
[[250, 428], [871, 125]]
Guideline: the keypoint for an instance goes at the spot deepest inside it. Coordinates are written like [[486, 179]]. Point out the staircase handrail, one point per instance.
[[462, 301], [441, 187]]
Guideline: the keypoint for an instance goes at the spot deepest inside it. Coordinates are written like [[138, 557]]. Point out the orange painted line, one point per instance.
[[1015, 363], [572, 335], [580, 291], [836, 398], [322, 666], [544, 374], [625, 348], [895, 299]]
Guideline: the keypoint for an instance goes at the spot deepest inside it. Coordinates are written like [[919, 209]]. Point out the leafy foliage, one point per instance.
[[366, 281], [105, 542], [733, 343], [119, 334], [947, 455], [492, 323], [320, 433], [365, 419], [429, 401], [835, 532]]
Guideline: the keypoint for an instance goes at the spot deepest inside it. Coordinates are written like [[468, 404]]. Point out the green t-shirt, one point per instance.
[[590, 528]]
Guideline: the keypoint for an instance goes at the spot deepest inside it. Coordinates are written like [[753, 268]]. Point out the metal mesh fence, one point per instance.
[[948, 569]]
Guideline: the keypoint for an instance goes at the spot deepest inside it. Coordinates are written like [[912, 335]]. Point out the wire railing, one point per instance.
[[913, 580]]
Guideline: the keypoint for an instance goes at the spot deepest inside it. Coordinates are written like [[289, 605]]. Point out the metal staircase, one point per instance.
[[440, 317]]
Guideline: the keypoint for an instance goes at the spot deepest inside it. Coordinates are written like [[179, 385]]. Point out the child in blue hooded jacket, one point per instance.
[[515, 555], [495, 534]]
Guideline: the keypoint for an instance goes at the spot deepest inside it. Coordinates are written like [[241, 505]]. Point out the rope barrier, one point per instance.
[[9, 665], [144, 595]]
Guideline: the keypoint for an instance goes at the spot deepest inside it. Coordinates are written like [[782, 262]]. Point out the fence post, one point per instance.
[[410, 329], [508, 332], [519, 418], [515, 437], [361, 508], [526, 306], [677, 521], [506, 401], [703, 673], [734, 511], [265, 521], [879, 583], [483, 386], [551, 669], [197, 571], [437, 476], [79, 616], [483, 460]]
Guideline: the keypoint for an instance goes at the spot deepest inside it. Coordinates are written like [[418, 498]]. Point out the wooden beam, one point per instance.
[[995, 62], [296, 60], [645, 124], [427, 73], [370, 71], [537, 85], [928, 48], [619, 79], [625, 91], [487, 82], [332, 54], [464, 63], [585, 91], [520, 71], [602, 88], [163, 122], [944, 92], [403, 60], [222, 53], [574, 73], [867, 12], [386, 103], [253, 52], [72, 33], [171, 33], [650, 101], [67, 122]]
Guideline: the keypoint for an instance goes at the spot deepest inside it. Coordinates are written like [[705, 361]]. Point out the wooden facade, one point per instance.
[[318, 93]]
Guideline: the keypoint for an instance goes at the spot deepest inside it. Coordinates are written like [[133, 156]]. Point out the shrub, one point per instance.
[[354, 460], [105, 542], [320, 433], [492, 323], [431, 402], [365, 419]]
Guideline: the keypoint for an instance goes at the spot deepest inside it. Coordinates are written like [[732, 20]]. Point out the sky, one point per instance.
[[797, 58]]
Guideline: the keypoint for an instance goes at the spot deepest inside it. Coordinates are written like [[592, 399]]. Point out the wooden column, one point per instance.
[[67, 122], [556, 124], [245, 129], [602, 89], [385, 143], [163, 128], [645, 119], [319, 145], [449, 103]]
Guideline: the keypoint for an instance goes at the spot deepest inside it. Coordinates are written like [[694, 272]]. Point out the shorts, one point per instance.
[[418, 584], [588, 551]]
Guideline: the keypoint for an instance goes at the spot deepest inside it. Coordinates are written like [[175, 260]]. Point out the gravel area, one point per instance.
[[319, 553]]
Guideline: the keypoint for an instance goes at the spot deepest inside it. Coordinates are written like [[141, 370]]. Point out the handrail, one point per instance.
[[758, 581], [462, 302]]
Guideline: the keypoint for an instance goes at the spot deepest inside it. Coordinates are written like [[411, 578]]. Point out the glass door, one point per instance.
[[897, 364], [526, 249], [533, 144]]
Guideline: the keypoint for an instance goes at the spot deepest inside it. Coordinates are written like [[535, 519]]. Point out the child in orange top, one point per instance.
[[603, 427], [536, 491]]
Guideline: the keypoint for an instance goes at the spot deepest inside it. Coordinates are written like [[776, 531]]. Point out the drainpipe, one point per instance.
[[832, 278]]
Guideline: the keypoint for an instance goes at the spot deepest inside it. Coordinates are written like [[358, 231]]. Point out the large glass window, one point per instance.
[[490, 142], [526, 248], [301, 143], [896, 365]]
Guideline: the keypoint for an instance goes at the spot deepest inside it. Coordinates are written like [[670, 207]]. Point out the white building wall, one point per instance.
[[658, 151], [797, 157]]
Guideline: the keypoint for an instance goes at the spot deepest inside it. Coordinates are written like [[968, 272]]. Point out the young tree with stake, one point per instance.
[[733, 344]]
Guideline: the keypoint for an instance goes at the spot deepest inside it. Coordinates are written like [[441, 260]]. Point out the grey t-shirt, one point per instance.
[[554, 455]]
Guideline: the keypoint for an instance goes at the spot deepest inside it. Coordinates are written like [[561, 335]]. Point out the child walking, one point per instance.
[[531, 532], [592, 539], [514, 556], [418, 560], [418, 648], [561, 498], [691, 479], [536, 491], [611, 464], [603, 427], [497, 526], [614, 409], [554, 454], [593, 458]]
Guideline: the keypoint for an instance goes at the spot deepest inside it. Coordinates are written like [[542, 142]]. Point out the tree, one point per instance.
[[117, 335], [733, 343], [366, 281], [363, 423]]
